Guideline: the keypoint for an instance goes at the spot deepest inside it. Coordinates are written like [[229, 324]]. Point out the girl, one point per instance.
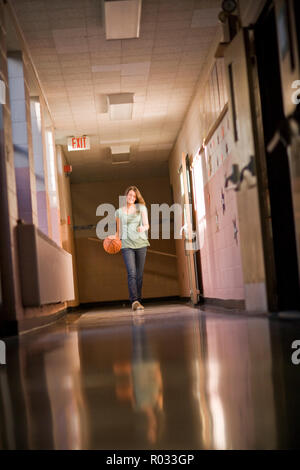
[[132, 224]]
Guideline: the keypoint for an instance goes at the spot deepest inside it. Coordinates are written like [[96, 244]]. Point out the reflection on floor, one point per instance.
[[174, 377]]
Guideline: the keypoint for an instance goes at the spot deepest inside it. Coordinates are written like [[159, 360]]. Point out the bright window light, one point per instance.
[[51, 170], [37, 108], [181, 184], [199, 186]]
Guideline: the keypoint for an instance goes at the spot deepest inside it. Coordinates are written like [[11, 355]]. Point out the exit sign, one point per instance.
[[78, 143]]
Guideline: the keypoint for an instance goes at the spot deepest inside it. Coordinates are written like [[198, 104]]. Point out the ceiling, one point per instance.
[[78, 67]]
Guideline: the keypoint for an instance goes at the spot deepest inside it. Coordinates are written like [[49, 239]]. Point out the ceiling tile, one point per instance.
[[205, 17], [78, 67]]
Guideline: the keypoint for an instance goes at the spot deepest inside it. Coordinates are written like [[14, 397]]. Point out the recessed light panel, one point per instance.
[[120, 106], [122, 19]]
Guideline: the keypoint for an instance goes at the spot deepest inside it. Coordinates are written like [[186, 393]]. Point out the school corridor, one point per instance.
[[189, 108]]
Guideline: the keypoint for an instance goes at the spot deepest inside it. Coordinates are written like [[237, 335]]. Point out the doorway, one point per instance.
[[196, 252], [283, 227]]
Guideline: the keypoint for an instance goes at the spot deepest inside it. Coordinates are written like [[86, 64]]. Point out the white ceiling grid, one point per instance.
[[78, 67]]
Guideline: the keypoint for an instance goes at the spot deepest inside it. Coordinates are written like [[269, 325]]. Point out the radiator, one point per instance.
[[46, 270]]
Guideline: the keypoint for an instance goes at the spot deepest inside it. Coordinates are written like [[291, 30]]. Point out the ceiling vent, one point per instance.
[[122, 18]]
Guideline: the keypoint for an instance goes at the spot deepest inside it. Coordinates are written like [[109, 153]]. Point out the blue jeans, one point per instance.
[[134, 260]]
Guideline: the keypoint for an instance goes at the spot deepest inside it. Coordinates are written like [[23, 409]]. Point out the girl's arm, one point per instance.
[[118, 227], [117, 234], [145, 221]]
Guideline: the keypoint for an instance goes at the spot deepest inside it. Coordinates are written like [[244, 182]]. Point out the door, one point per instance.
[[288, 33], [199, 214], [196, 251], [244, 174], [190, 244], [277, 181]]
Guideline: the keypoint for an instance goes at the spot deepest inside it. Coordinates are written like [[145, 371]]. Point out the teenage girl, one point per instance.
[[132, 226]]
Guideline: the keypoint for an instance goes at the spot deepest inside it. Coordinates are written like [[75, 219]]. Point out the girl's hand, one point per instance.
[[141, 229], [112, 237]]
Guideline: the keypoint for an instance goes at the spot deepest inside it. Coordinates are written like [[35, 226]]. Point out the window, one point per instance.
[[52, 189], [38, 153]]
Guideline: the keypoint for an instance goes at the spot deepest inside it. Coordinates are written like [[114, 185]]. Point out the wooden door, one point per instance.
[[288, 42]]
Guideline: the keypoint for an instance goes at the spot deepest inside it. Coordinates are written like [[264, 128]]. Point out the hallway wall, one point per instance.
[[102, 277], [9, 204], [221, 262], [16, 137], [66, 216], [220, 254]]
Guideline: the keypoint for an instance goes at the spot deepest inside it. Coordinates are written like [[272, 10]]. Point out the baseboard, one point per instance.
[[224, 303], [28, 324], [120, 303], [13, 328], [18, 327]]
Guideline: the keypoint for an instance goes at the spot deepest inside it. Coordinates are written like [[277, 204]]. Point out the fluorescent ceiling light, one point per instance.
[[118, 149], [119, 141], [120, 154], [120, 106], [120, 159], [122, 18]]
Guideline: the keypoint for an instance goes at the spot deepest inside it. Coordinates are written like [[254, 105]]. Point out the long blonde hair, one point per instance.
[[139, 197]]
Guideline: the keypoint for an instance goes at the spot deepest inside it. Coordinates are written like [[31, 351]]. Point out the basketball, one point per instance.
[[112, 246]]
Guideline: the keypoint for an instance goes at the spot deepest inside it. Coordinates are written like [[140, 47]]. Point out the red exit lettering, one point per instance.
[[79, 142]]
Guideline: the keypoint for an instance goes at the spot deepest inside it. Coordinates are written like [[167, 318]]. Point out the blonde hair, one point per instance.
[[139, 197]]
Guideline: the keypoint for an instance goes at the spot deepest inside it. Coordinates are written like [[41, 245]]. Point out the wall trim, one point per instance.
[[125, 303], [27, 325], [256, 297], [225, 303], [216, 124]]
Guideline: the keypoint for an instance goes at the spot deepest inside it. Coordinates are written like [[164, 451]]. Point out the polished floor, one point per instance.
[[174, 377]]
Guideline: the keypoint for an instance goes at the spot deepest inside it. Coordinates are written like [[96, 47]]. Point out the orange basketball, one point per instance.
[[112, 246]]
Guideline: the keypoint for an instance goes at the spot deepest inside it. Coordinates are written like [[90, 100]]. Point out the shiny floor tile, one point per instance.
[[174, 377]]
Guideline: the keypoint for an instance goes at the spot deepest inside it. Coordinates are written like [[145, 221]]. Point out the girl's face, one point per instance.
[[131, 197]]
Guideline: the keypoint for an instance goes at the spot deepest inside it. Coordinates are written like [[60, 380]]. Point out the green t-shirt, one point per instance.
[[129, 223]]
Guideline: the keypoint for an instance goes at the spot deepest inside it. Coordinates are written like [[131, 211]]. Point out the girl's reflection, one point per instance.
[[140, 382]]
